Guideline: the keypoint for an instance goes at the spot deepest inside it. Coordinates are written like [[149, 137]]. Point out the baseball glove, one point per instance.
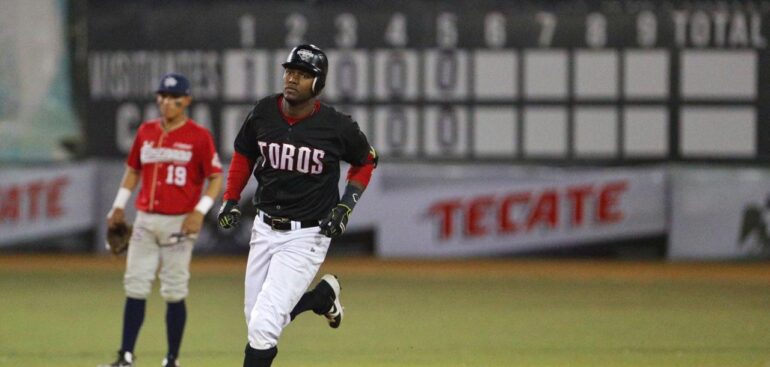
[[118, 236], [335, 223]]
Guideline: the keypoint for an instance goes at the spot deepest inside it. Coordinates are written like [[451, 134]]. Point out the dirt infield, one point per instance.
[[751, 272]]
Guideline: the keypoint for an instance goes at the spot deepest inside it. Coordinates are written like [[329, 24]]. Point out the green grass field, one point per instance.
[[68, 312]]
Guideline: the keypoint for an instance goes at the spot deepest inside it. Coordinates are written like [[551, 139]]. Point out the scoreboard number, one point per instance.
[[446, 30], [347, 30], [494, 30], [596, 30], [646, 29], [395, 32], [395, 74], [296, 27], [247, 26], [397, 128], [547, 22]]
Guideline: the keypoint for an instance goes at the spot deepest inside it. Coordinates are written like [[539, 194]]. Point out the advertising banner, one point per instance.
[[453, 211], [484, 216], [719, 214], [41, 202]]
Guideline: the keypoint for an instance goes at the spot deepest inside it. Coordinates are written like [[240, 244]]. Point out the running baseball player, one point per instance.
[[172, 157], [296, 144]]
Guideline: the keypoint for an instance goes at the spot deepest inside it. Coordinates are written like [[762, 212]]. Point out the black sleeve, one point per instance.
[[246, 141], [355, 143]]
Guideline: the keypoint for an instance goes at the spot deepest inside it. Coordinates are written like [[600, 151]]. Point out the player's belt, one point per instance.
[[286, 224]]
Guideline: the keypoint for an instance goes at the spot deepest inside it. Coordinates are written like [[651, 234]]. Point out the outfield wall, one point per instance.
[[46, 201], [499, 210], [719, 213], [430, 211]]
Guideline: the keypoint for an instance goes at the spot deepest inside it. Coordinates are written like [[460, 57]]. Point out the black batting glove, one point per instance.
[[229, 214], [336, 221]]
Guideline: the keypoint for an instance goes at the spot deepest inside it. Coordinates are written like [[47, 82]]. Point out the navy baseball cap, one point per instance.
[[175, 84]]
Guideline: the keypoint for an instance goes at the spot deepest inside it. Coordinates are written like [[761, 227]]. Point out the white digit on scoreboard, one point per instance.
[[346, 25], [245, 74]]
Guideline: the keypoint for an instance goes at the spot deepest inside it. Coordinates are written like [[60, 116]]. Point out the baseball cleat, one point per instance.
[[334, 315], [170, 362], [125, 359]]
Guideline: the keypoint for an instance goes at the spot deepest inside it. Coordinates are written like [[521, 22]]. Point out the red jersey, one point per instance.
[[173, 166]]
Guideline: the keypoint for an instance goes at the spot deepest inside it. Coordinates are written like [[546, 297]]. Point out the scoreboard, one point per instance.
[[562, 81]]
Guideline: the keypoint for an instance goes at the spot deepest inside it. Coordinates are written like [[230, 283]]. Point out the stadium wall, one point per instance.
[[427, 211]]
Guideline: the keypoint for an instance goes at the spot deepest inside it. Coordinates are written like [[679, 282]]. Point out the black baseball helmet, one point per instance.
[[312, 59]]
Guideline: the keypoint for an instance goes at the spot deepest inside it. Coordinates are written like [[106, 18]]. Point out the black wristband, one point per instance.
[[351, 196]]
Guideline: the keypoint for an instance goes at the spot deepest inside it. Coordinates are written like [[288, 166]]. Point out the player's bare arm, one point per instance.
[[130, 180], [194, 221]]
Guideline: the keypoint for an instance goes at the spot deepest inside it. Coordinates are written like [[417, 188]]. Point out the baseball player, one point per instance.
[[172, 156], [293, 144]]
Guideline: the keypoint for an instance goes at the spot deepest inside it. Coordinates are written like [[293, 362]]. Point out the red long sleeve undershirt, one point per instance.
[[362, 174], [238, 176]]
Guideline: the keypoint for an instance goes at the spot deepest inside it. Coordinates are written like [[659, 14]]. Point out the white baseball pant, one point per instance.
[[281, 266], [149, 249]]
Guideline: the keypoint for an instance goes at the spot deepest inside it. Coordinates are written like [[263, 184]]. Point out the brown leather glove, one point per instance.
[[118, 236]]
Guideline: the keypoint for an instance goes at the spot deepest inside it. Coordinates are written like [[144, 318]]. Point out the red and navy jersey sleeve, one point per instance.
[[208, 154], [356, 147], [246, 140], [134, 156]]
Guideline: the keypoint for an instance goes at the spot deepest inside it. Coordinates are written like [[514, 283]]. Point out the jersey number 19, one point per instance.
[[176, 175]]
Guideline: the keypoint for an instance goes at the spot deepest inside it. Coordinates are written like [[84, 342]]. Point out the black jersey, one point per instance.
[[298, 166]]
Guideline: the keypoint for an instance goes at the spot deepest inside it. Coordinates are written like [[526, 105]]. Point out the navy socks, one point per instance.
[[133, 317], [176, 315]]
